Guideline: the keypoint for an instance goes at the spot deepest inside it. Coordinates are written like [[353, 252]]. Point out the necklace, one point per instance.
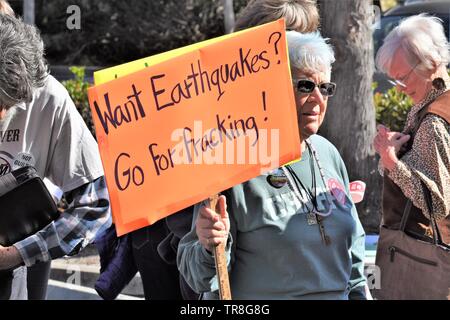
[[315, 216], [313, 197]]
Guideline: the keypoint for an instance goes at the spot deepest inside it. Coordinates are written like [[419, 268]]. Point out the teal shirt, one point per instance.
[[273, 253]]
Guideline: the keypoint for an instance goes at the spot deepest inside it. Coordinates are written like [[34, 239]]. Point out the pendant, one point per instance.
[[311, 218], [325, 239], [277, 178]]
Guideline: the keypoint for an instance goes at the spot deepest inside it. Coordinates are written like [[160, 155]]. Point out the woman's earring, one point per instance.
[[439, 84]]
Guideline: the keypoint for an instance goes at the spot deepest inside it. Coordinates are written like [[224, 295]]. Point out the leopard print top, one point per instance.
[[428, 160]]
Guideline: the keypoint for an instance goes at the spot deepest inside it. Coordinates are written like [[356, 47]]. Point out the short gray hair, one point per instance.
[[310, 52], [22, 64], [423, 41]]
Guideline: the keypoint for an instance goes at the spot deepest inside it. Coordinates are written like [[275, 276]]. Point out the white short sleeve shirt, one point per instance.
[[50, 134]]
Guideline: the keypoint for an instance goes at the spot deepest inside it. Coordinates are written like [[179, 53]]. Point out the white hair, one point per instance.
[[423, 41], [310, 52], [23, 66]]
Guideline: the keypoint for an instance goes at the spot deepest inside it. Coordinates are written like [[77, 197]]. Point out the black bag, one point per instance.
[[26, 206]]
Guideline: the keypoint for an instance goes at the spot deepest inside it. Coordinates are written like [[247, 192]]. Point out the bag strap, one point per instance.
[[405, 215], [437, 238], [436, 233]]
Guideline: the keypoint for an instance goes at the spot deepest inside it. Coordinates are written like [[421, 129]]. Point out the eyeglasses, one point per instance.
[[400, 82], [327, 89]]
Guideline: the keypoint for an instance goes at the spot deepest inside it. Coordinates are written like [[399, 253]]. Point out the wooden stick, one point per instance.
[[221, 261]]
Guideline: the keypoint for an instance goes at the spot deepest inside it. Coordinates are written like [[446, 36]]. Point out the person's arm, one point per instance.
[[195, 262], [427, 161], [9, 258], [357, 282], [88, 213]]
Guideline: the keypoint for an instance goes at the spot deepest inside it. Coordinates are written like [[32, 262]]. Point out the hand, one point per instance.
[[387, 143], [212, 228], [9, 258], [392, 135]]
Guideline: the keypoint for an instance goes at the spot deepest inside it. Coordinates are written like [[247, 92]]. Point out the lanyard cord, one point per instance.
[[297, 181]]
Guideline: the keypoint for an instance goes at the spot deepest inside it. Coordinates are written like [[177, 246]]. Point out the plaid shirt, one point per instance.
[[87, 215]]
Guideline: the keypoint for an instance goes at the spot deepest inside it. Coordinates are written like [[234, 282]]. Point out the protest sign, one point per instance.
[[195, 121]]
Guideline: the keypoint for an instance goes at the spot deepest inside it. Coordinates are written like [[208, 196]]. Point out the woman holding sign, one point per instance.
[[293, 233]]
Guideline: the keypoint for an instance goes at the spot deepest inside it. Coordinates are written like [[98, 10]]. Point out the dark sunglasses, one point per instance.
[[327, 89]]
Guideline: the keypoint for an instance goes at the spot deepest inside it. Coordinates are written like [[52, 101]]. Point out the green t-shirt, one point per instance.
[[273, 252]]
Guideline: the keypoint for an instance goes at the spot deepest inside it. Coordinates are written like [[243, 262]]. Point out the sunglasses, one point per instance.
[[327, 89]]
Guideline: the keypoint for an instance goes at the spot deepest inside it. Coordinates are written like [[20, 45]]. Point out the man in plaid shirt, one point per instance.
[[40, 127]]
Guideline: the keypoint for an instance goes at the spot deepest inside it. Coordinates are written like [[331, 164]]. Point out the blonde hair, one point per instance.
[[300, 15], [5, 8], [423, 41]]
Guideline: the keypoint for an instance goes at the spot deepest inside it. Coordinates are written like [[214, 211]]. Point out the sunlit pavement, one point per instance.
[[58, 290]]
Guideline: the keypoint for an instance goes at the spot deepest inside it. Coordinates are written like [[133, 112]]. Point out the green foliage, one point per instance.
[[77, 89], [392, 108]]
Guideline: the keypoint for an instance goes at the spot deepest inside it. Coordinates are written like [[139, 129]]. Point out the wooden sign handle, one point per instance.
[[221, 261]]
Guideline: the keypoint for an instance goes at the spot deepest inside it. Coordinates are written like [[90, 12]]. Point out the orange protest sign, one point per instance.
[[176, 132]]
